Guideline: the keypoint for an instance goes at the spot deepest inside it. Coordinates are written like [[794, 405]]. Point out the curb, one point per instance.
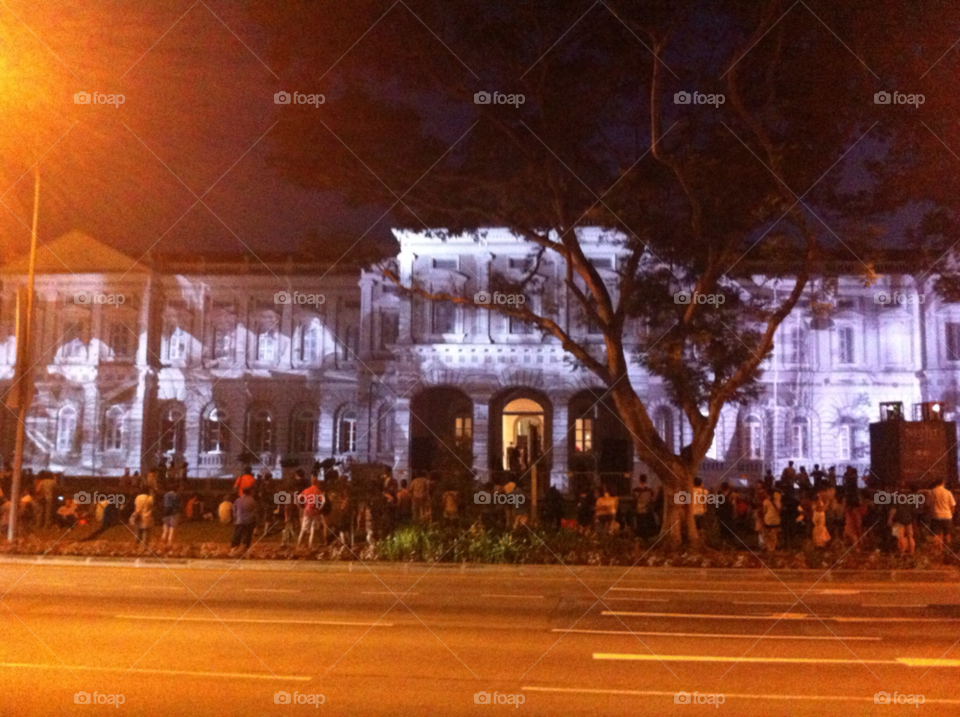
[[646, 573]]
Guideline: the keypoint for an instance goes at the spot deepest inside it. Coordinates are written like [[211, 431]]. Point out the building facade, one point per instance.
[[216, 363]]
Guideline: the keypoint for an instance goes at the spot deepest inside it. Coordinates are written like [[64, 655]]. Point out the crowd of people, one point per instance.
[[797, 510]]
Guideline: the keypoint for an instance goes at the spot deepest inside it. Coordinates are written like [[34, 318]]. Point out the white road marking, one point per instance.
[[908, 661], [720, 635], [728, 695], [140, 671], [637, 599], [749, 592], [256, 621], [513, 597], [784, 616], [880, 605], [158, 587]]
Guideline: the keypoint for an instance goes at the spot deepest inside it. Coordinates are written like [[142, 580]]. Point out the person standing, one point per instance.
[[770, 509], [901, 518], [313, 501], [942, 506], [821, 536], [171, 515], [143, 515], [725, 514], [47, 492], [553, 508], [698, 503], [420, 490], [246, 480], [788, 476], [244, 520], [643, 504]]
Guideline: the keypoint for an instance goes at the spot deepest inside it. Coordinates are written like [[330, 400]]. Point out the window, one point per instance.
[[663, 422], [519, 326], [305, 432], [223, 342], [122, 340], [953, 341], [172, 431], [583, 435], [845, 441], [177, 344], [845, 344], [601, 262], [389, 329], [73, 339], [444, 317], [796, 344], [261, 431], [448, 264], [267, 343], [347, 433], [385, 429], [800, 438], [113, 429], [753, 439], [524, 264], [463, 429], [310, 342], [66, 429], [215, 437]]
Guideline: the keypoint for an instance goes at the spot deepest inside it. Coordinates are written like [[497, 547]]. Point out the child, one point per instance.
[[821, 536]]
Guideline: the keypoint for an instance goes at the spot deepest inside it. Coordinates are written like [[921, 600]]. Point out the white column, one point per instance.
[[560, 448], [484, 275], [481, 438], [401, 439], [406, 302]]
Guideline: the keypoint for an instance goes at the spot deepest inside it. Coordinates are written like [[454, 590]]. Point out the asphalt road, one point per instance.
[[382, 641]]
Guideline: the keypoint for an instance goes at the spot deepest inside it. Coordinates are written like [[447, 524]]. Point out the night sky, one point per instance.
[[195, 123]]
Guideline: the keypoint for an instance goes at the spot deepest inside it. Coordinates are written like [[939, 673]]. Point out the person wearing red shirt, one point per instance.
[[244, 481]]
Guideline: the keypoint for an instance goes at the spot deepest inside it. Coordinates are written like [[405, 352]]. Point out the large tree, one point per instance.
[[702, 198]]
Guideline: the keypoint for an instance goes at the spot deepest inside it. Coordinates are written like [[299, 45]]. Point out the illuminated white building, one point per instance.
[[200, 363]]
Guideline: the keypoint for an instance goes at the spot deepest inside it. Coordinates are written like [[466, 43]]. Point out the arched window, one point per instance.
[[663, 422], [113, 429], [752, 438], [215, 436], [122, 340], [66, 429], [260, 433], [800, 437], [310, 342], [347, 432], [267, 342], [305, 431], [172, 432]]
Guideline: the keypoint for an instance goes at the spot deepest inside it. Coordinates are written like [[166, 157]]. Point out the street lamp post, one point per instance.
[[24, 384]]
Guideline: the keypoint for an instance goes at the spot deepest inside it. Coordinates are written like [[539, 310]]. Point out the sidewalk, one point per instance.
[[646, 574]]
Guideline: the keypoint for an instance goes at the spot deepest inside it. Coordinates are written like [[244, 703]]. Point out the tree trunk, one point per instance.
[[678, 511]]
